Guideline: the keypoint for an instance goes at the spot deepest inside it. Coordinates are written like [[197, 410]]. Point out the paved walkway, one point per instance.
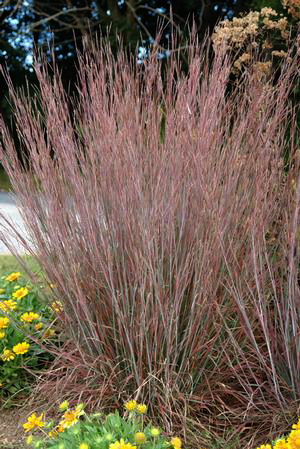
[[10, 210]]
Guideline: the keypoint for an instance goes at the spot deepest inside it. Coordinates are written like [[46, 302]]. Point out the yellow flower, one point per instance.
[[294, 439], [142, 408], [32, 422], [29, 439], [7, 355], [70, 417], [139, 438], [4, 322], [2, 335], [121, 445], [280, 444], [296, 426], [155, 432], [57, 306], [21, 348], [13, 277], [176, 442], [38, 326], [8, 305], [83, 446], [265, 446], [28, 317], [20, 293], [64, 405], [130, 405]]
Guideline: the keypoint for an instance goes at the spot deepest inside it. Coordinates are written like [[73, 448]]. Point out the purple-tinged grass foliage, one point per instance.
[[158, 205]]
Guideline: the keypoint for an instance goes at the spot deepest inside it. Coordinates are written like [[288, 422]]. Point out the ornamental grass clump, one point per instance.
[[79, 430], [159, 205]]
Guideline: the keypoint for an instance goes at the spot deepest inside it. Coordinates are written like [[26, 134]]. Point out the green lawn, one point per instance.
[[4, 181], [9, 263]]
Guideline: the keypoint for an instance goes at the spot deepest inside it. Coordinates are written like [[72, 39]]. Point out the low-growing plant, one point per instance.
[[76, 429], [24, 322]]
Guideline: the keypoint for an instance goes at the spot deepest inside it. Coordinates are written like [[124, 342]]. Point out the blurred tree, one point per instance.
[[60, 24]]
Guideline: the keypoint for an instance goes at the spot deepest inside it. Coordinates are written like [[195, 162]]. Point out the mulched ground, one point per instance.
[[12, 435], [11, 430]]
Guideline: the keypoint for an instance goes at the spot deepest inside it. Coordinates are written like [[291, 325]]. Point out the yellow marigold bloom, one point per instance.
[[264, 446], [155, 432], [64, 405], [13, 276], [20, 293], [130, 405], [21, 348], [294, 439], [28, 317], [7, 355], [83, 446], [142, 408], [280, 444], [70, 417], [139, 438], [38, 326], [176, 442], [121, 445], [2, 335], [4, 322], [33, 421], [8, 305], [296, 426]]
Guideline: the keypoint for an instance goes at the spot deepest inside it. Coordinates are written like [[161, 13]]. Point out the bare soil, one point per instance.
[[12, 435]]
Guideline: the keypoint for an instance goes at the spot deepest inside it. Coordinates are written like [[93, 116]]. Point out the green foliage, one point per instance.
[[22, 316], [80, 430]]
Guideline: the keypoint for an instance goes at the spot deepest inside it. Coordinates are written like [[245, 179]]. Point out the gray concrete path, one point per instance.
[[9, 209]]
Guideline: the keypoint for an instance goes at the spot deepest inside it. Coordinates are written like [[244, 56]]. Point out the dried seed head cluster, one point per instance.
[[251, 32], [234, 33], [293, 7], [244, 30]]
